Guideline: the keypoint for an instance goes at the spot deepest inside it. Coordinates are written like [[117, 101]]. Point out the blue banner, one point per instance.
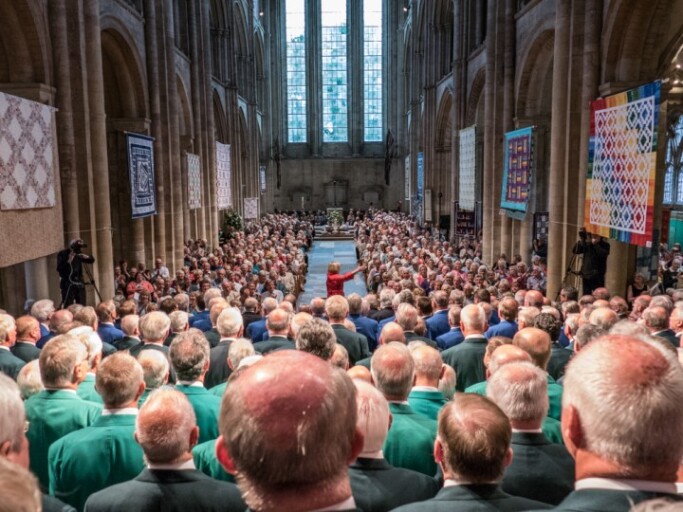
[[143, 199], [419, 187]]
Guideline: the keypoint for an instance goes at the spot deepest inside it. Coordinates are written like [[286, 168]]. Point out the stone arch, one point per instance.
[[240, 40], [444, 122], [185, 124], [534, 82], [23, 48], [475, 101], [259, 62], [221, 120]]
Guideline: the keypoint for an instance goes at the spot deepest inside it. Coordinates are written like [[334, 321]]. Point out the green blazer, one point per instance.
[[219, 389], [86, 390], [205, 460], [10, 364], [467, 359], [52, 415], [410, 441], [555, 397], [88, 460], [206, 407], [427, 403]]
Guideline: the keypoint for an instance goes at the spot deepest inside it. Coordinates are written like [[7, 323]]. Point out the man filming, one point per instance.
[[595, 251], [70, 269]]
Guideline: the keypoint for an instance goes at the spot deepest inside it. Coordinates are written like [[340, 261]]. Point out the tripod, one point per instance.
[[571, 276], [92, 281]]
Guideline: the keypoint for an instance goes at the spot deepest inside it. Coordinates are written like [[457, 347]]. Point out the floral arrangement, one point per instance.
[[335, 216], [232, 222]]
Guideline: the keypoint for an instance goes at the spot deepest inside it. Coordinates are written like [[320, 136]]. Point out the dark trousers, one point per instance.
[[72, 293], [591, 284]]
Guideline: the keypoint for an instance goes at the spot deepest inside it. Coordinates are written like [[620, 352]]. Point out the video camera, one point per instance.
[[77, 245], [583, 234]]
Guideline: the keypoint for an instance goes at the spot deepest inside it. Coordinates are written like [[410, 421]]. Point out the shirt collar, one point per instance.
[[372, 455], [188, 464], [424, 388], [348, 504], [4, 347], [62, 389], [452, 482], [528, 431], [192, 384], [120, 412], [618, 484]]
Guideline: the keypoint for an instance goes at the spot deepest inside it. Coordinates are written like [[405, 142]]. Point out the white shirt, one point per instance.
[[194, 384], [120, 412], [617, 484], [528, 431], [372, 455], [424, 388], [4, 347], [347, 504], [188, 464]]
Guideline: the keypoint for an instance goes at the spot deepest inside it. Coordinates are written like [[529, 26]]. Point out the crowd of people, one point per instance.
[[452, 385]]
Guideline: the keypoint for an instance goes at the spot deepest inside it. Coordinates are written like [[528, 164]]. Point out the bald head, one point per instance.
[[533, 298], [373, 417], [429, 366], [360, 372], [392, 332], [277, 322], [120, 381], [603, 317], [393, 371], [266, 412], [506, 354], [28, 329], [473, 320], [536, 343]]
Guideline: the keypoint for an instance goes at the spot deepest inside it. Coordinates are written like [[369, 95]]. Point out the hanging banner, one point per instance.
[[251, 208], [407, 179], [468, 168], [428, 205], [517, 171], [262, 178], [419, 192], [143, 199], [194, 182], [26, 154], [223, 177], [622, 161]]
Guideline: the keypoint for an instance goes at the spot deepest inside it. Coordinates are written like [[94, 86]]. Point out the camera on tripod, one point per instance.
[[77, 246], [583, 234]]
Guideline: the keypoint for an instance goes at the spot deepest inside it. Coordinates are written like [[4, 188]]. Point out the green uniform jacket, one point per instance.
[[86, 390], [205, 460], [467, 359], [10, 364], [410, 442], [88, 460], [427, 403], [52, 415], [206, 407], [219, 390]]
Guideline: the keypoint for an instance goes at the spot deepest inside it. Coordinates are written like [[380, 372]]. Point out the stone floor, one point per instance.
[[320, 255]]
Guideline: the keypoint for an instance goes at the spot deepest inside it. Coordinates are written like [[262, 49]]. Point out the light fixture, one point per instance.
[[260, 14]]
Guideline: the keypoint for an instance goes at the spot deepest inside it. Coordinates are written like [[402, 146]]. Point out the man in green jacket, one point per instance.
[[411, 437], [86, 389], [105, 453], [58, 410], [155, 369], [425, 397], [190, 359]]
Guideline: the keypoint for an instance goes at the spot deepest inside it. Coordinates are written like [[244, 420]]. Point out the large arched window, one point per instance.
[[673, 171], [333, 48]]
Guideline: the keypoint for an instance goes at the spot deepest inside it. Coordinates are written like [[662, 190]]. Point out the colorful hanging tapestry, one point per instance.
[[223, 176], [622, 161], [251, 208], [519, 146], [418, 211], [143, 200], [26, 154], [468, 167], [194, 182]]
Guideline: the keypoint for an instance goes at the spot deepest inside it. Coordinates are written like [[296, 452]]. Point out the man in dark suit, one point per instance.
[[106, 316], [656, 319], [251, 312], [473, 447], [130, 325], [189, 355], [539, 470], [278, 329], [212, 335], [167, 431], [180, 322], [28, 334], [364, 325], [604, 384], [154, 328], [595, 251], [337, 308], [559, 356], [317, 338], [377, 485], [425, 397], [467, 358], [58, 319], [454, 336], [407, 317], [42, 310], [386, 310], [323, 420], [229, 325], [507, 312], [258, 329], [438, 323], [9, 363]]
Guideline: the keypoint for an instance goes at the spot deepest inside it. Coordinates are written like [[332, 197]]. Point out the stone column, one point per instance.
[[508, 106], [37, 282], [489, 206], [458, 70], [558, 172], [98, 135]]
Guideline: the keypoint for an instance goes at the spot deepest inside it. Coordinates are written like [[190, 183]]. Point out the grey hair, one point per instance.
[[447, 382], [154, 326], [6, 324], [239, 349], [373, 416], [42, 309], [393, 380], [229, 322], [129, 324], [317, 337], [406, 316], [189, 354], [12, 415], [473, 317], [59, 358], [29, 381], [340, 357], [179, 320], [520, 389], [183, 301], [19, 488], [386, 297], [91, 339], [155, 368]]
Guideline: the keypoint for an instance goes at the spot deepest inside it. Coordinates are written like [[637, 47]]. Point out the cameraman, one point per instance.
[[595, 252], [70, 269]]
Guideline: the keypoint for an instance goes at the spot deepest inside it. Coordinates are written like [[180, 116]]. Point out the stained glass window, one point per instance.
[[296, 71], [334, 71], [673, 174], [372, 70]]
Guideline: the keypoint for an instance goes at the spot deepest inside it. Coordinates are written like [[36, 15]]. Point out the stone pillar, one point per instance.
[[98, 135], [508, 106], [489, 206], [557, 184], [459, 85], [37, 281], [209, 132]]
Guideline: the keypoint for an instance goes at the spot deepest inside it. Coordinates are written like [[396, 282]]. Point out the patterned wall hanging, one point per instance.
[[223, 176], [622, 161], [468, 167], [250, 208], [194, 182], [143, 198], [518, 168], [26, 154]]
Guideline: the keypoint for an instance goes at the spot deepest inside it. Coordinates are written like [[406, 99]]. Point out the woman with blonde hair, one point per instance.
[[335, 280]]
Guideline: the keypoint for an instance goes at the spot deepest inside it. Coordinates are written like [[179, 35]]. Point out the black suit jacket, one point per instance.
[[126, 343], [249, 317], [540, 470], [605, 500], [381, 314], [52, 504], [168, 491], [473, 498], [355, 344], [559, 357], [669, 336], [169, 339], [219, 371], [212, 337], [412, 336], [274, 343], [378, 486], [25, 351]]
